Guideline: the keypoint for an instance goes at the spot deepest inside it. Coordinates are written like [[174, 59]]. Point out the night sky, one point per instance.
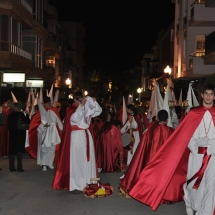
[[118, 33]]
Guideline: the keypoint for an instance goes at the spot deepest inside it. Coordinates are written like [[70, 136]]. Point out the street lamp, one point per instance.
[[139, 91], [68, 81], [85, 93], [167, 70]]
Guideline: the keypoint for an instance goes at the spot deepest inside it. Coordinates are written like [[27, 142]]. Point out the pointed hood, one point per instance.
[[124, 111], [28, 103], [41, 95], [51, 94], [45, 118], [195, 101], [13, 97], [167, 98], [56, 97], [156, 102]]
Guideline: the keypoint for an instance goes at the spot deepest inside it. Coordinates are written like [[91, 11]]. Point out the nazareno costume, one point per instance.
[[164, 176]]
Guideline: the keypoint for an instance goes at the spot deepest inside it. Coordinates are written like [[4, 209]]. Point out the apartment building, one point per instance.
[[194, 21], [34, 50]]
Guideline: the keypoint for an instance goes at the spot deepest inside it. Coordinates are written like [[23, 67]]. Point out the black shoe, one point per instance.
[[21, 170], [76, 192], [13, 170]]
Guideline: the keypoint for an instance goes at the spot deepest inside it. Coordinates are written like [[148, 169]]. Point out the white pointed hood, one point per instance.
[[124, 111], [45, 118], [51, 94], [167, 98], [41, 95], [56, 97], [13, 97]]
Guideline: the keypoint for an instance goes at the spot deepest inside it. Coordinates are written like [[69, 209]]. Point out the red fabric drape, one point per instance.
[[61, 177], [165, 174]]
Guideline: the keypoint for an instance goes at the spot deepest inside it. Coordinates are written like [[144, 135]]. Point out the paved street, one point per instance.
[[30, 193]]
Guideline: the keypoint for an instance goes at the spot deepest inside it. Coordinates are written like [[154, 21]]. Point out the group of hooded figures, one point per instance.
[[163, 165]]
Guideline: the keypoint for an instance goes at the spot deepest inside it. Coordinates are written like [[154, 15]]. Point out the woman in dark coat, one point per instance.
[[17, 137]]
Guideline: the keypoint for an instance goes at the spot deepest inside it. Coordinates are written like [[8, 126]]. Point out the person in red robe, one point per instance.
[[138, 118], [153, 138], [108, 148], [164, 176], [97, 124]]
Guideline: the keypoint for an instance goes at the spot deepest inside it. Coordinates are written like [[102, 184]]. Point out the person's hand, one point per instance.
[[46, 125]]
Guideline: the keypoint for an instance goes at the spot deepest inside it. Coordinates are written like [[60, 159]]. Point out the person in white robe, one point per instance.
[[200, 200], [131, 123], [48, 136], [82, 167]]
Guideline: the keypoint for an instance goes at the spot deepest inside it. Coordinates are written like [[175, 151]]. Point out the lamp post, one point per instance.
[[168, 70], [139, 91], [68, 82]]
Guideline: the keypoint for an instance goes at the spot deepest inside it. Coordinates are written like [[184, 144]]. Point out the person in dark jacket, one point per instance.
[[17, 137]]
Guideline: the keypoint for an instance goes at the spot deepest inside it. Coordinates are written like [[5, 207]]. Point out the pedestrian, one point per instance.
[[179, 169], [16, 137], [77, 163], [48, 135], [131, 127], [153, 138]]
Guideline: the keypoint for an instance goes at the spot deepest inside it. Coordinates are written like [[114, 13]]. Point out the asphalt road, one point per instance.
[[31, 193]]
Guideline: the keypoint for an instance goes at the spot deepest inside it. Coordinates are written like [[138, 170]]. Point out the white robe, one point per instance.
[[81, 170], [202, 200], [48, 138], [124, 129]]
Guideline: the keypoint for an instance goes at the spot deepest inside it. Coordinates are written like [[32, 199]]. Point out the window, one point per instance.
[[4, 32], [200, 45]]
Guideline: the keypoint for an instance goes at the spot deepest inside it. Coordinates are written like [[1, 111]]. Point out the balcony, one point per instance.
[[209, 57], [18, 51], [26, 5], [209, 3], [201, 16]]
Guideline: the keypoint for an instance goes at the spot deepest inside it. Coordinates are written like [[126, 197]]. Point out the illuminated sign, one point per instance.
[[34, 83], [13, 77]]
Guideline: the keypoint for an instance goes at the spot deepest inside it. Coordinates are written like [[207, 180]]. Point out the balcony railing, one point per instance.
[[18, 51], [197, 54], [26, 5]]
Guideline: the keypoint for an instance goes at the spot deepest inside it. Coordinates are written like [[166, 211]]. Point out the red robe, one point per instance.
[[151, 142], [97, 124], [62, 173], [164, 176], [108, 148], [137, 118]]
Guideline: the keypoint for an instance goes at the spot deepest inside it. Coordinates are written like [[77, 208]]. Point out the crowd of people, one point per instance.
[[159, 164]]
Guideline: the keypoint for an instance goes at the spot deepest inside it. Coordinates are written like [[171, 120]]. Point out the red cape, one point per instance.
[[61, 177], [137, 118], [97, 124], [165, 174], [108, 148]]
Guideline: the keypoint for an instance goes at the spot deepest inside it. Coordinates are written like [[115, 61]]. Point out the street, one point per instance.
[[31, 193]]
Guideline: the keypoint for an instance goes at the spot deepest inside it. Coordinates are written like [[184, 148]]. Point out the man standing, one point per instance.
[[169, 165], [48, 136], [153, 138], [77, 163]]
